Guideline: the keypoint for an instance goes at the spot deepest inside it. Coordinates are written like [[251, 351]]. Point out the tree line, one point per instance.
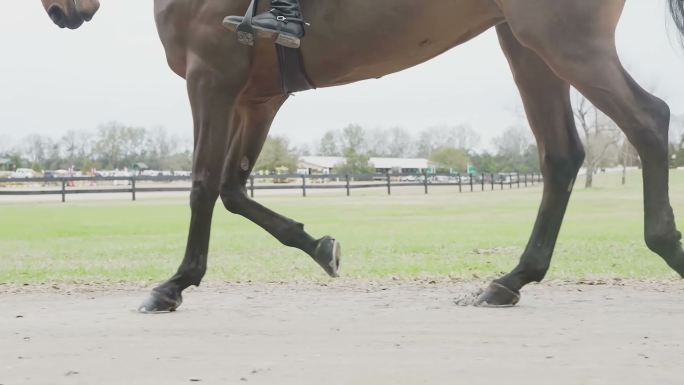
[[110, 146], [454, 148], [449, 148]]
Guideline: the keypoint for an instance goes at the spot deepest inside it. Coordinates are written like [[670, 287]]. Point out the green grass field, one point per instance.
[[408, 235]]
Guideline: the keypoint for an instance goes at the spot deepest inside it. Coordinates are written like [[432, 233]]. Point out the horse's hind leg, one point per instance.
[[547, 104], [582, 51], [250, 130]]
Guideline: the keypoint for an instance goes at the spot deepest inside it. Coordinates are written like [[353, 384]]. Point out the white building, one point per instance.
[[312, 165], [401, 165]]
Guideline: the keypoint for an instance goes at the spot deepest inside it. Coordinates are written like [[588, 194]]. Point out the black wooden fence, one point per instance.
[[475, 182]]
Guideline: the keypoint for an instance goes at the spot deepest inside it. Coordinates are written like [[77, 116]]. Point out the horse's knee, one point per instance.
[[202, 194], [233, 199], [563, 168]]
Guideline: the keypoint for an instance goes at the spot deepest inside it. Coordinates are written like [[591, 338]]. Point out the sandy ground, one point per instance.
[[345, 333]]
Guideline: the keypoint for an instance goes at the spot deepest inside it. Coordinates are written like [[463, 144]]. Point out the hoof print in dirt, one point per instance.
[[497, 295], [327, 255], [158, 302]]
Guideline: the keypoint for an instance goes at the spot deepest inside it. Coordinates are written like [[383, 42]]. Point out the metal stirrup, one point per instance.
[[245, 32]]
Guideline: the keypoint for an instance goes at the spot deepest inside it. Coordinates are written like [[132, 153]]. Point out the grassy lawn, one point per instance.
[[407, 235]]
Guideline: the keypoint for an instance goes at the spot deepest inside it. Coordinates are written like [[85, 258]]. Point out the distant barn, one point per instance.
[[324, 165]]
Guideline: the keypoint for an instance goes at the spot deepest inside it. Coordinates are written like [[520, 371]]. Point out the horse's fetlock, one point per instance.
[[663, 243]]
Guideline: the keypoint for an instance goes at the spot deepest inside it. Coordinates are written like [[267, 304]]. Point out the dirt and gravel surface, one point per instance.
[[344, 332]]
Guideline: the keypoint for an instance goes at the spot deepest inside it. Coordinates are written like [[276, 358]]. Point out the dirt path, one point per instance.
[[347, 333]]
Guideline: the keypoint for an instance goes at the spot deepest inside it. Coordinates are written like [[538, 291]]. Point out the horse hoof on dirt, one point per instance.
[[158, 302], [497, 295], [327, 254]]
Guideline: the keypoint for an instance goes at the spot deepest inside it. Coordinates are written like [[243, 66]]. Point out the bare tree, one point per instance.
[[433, 138], [377, 142], [36, 148], [600, 135], [628, 156], [399, 143], [328, 145], [160, 145], [395, 142], [516, 140]]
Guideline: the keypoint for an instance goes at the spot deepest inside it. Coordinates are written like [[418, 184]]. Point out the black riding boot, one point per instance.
[[283, 23]]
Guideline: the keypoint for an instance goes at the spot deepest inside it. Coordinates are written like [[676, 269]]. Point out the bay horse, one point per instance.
[[551, 45]]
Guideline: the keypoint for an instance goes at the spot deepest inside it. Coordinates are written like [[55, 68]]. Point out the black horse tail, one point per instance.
[[677, 11]]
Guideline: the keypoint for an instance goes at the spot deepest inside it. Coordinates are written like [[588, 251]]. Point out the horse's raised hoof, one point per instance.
[[327, 254], [161, 302], [497, 295]]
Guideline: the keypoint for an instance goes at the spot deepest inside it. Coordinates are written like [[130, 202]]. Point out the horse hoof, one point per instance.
[[497, 295], [327, 255], [158, 302]]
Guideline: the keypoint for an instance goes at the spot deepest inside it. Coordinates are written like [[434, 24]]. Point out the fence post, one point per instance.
[[517, 177], [251, 186], [492, 180], [133, 187], [510, 182], [471, 182], [483, 178], [459, 183], [346, 177], [525, 179], [389, 184], [63, 190], [304, 186], [425, 181], [502, 181]]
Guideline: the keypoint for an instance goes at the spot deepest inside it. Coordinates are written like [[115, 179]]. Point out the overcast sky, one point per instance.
[[114, 68]]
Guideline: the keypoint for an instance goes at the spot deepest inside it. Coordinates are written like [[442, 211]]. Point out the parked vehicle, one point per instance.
[[439, 179], [23, 173], [151, 173]]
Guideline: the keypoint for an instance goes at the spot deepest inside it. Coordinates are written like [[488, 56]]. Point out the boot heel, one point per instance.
[[288, 41]]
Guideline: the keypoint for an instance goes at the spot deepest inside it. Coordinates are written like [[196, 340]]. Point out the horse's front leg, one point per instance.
[[246, 142], [213, 98]]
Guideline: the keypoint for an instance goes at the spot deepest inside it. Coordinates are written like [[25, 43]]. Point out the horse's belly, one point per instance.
[[362, 39]]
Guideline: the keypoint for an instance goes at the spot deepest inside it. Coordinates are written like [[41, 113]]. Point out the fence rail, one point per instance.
[[474, 182]]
